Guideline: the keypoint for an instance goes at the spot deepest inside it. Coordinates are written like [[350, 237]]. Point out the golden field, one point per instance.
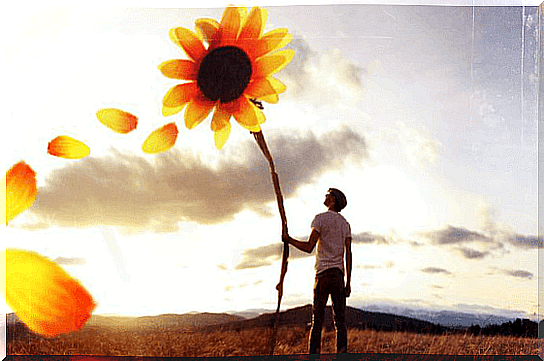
[[255, 341]]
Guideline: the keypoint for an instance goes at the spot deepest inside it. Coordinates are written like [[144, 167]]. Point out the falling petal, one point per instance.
[[161, 139], [270, 64], [21, 191], [43, 295], [207, 28], [273, 40], [66, 147], [117, 120], [178, 97], [179, 69], [189, 42], [197, 110]]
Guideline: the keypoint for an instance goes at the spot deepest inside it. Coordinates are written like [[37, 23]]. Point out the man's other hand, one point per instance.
[[347, 291]]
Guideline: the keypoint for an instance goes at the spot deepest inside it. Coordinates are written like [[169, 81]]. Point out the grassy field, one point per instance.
[[252, 342]]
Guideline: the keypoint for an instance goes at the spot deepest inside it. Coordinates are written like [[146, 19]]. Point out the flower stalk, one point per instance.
[[259, 138]]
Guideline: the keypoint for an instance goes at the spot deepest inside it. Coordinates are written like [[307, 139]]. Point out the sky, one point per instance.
[[424, 116]]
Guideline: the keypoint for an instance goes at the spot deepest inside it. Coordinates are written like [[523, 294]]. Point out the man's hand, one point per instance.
[[285, 238], [347, 290]]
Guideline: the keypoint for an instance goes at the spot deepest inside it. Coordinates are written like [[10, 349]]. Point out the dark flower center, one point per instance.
[[224, 74]]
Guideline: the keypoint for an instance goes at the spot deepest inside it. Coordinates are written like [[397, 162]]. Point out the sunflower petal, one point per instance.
[[117, 120], [221, 136], [43, 295], [273, 40], [264, 87], [270, 64], [67, 147], [161, 139], [20, 184], [176, 98], [179, 69], [254, 24], [207, 28], [197, 110], [230, 25], [246, 113], [189, 42]]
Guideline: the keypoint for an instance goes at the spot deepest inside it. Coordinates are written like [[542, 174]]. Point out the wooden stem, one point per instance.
[[259, 138]]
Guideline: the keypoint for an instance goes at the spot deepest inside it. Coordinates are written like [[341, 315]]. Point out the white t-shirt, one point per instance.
[[333, 230]]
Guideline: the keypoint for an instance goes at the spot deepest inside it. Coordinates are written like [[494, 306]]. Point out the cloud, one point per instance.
[[520, 274], [455, 235], [137, 192], [69, 261], [435, 270], [320, 79], [472, 254], [369, 238], [525, 241], [266, 255]]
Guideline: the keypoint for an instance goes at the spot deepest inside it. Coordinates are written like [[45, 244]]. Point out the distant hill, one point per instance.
[[355, 318]]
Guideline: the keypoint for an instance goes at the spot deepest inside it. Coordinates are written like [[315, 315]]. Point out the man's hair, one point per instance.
[[340, 199]]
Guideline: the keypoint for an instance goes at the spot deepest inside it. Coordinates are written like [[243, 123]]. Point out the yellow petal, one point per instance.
[[273, 40], [254, 24], [161, 139], [270, 64], [117, 120], [20, 184], [189, 42], [177, 97], [246, 113], [221, 136], [207, 28], [265, 88], [197, 111], [67, 147], [230, 25], [179, 69], [43, 295]]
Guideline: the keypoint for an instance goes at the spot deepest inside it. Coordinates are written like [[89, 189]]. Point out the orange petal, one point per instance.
[[254, 24], [179, 69], [20, 184], [177, 97], [265, 87], [270, 64], [230, 25], [273, 40], [246, 113], [66, 147], [207, 28], [43, 295], [197, 110], [189, 42], [221, 126], [117, 120], [161, 139]]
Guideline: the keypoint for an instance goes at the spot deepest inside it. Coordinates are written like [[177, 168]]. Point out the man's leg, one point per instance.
[[339, 307], [318, 313]]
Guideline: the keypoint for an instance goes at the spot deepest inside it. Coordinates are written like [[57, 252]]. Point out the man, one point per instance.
[[332, 234]]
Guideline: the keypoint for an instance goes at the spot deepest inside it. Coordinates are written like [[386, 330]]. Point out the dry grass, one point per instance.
[[253, 342]]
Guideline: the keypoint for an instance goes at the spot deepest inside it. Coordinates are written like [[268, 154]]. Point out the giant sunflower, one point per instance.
[[228, 75]]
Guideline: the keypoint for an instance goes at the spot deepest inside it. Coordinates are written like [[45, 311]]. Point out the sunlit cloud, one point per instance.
[[520, 274], [69, 261], [137, 192], [436, 270], [267, 255], [472, 254]]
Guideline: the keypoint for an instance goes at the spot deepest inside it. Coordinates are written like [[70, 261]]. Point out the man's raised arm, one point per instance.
[[303, 246]]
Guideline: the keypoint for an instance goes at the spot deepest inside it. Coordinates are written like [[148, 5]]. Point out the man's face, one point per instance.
[[329, 199]]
